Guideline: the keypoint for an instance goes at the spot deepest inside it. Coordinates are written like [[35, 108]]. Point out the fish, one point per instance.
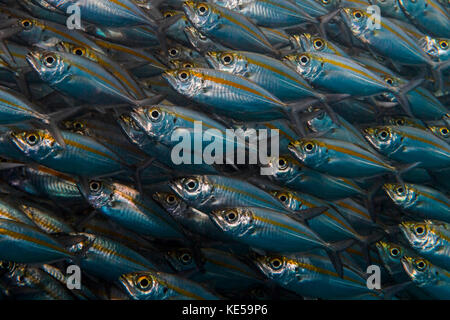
[[432, 279], [151, 285], [406, 144], [429, 239], [420, 201]]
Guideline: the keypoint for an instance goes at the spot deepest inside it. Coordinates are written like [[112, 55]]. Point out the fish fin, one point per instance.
[[304, 215], [390, 291], [333, 251], [23, 84], [150, 101], [324, 20], [10, 165]]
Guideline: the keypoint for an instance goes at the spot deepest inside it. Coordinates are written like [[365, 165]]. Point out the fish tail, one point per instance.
[[333, 251]]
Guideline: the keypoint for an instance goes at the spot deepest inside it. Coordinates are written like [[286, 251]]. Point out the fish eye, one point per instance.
[[173, 52], [154, 114], [202, 9], [144, 282], [400, 190], [185, 258], [395, 252], [304, 60], [276, 263], [318, 44], [358, 14], [168, 14], [26, 24], [78, 125], [443, 131], [309, 147], [443, 44], [282, 163], [95, 186], [191, 184], [183, 75], [389, 81], [50, 61], [231, 216], [283, 197], [421, 265], [32, 139], [171, 199], [400, 122], [383, 134], [79, 51], [419, 230], [227, 59], [187, 65]]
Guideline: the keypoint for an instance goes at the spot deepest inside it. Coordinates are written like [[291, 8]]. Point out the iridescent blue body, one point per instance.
[[269, 73], [330, 225], [220, 91], [267, 229], [105, 258], [420, 201], [339, 158], [407, 144], [313, 276], [131, 209], [280, 13], [430, 239], [228, 27], [86, 156], [428, 15], [107, 13], [212, 191], [26, 244], [294, 175]]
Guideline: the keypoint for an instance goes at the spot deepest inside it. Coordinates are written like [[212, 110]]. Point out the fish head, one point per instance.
[[308, 151], [277, 268], [283, 168], [202, 15], [36, 144], [31, 29], [421, 271], [288, 199], [229, 61], [132, 129], [140, 285], [98, 193], [196, 38], [181, 259], [187, 82], [235, 222], [306, 64], [357, 20], [155, 121], [391, 254], [311, 43], [195, 190], [75, 49], [418, 234], [50, 65], [173, 204], [403, 195], [76, 126], [440, 131], [382, 138], [184, 64]]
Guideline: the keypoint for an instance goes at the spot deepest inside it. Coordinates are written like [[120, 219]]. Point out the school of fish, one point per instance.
[[95, 96]]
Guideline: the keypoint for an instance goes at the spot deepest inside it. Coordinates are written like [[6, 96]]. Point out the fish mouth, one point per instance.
[[211, 59], [33, 58], [387, 187], [407, 264], [127, 283], [292, 147], [188, 8]]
